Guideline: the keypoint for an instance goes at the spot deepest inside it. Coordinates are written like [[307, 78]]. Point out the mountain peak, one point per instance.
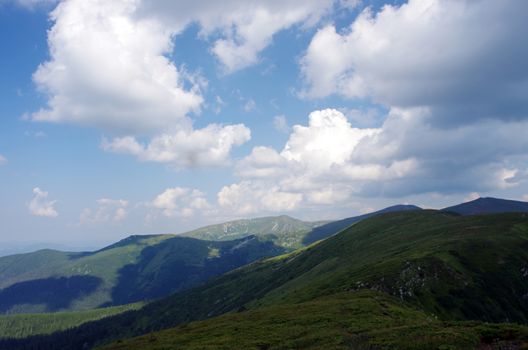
[[488, 205]]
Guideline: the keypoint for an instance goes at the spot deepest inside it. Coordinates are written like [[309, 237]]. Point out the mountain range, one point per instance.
[[434, 274], [147, 267]]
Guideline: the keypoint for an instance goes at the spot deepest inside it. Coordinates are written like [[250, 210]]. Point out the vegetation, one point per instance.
[[430, 265], [354, 320], [21, 326], [489, 205], [135, 269], [142, 268], [284, 231]]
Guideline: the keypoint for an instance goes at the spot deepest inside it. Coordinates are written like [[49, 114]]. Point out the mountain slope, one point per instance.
[[283, 230], [451, 267], [361, 320], [24, 325], [489, 206], [135, 269], [147, 267], [323, 231]]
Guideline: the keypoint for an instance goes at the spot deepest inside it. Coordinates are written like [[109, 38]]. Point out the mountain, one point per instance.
[[284, 231], [421, 269], [489, 205], [362, 320], [24, 325], [148, 267], [134, 269], [323, 231]]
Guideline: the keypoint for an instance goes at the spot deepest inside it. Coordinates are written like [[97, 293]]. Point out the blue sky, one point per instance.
[[136, 116]]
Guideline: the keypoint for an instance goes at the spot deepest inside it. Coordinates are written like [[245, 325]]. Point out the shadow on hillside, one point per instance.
[[181, 262], [54, 293], [326, 230]]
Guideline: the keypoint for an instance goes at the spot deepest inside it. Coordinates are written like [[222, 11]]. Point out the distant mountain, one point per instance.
[[396, 280], [283, 230], [488, 205], [134, 269], [333, 227]]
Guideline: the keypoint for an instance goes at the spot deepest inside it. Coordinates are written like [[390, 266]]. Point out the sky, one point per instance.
[[158, 116]]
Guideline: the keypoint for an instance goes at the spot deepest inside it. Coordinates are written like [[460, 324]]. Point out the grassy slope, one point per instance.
[[21, 326], [489, 205], [138, 268], [451, 267], [283, 230], [104, 264], [359, 320]]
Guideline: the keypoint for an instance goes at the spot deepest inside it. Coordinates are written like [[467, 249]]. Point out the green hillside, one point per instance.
[[148, 267], [360, 320], [137, 268], [284, 231], [489, 205], [24, 325], [448, 267]]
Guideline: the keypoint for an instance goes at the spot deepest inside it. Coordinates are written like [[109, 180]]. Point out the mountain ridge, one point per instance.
[[488, 205], [450, 267]]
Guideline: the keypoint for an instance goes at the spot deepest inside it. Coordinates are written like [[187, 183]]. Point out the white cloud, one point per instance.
[[108, 69], [180, 201], [262, 162], [40, 206], [328, 162], [244, 27], [328, 140], [428, 53], [209, 146], [109, 65], [249, 198], [281, 124], [108, 210], [3, 160], [525, 198]]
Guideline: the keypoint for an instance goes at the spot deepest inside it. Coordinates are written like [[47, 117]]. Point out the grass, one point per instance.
[[138, 268], [24, 325], [432, 266], [354, 320]]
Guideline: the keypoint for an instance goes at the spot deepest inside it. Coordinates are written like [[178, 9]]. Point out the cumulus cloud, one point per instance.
[[328, 140], [249, 198], [464, 60], [179, 202], [207, 146], [243, 28], [108, 69], [108, 210], [3, 160], [328, 162], [40, 206], [109, 65]]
